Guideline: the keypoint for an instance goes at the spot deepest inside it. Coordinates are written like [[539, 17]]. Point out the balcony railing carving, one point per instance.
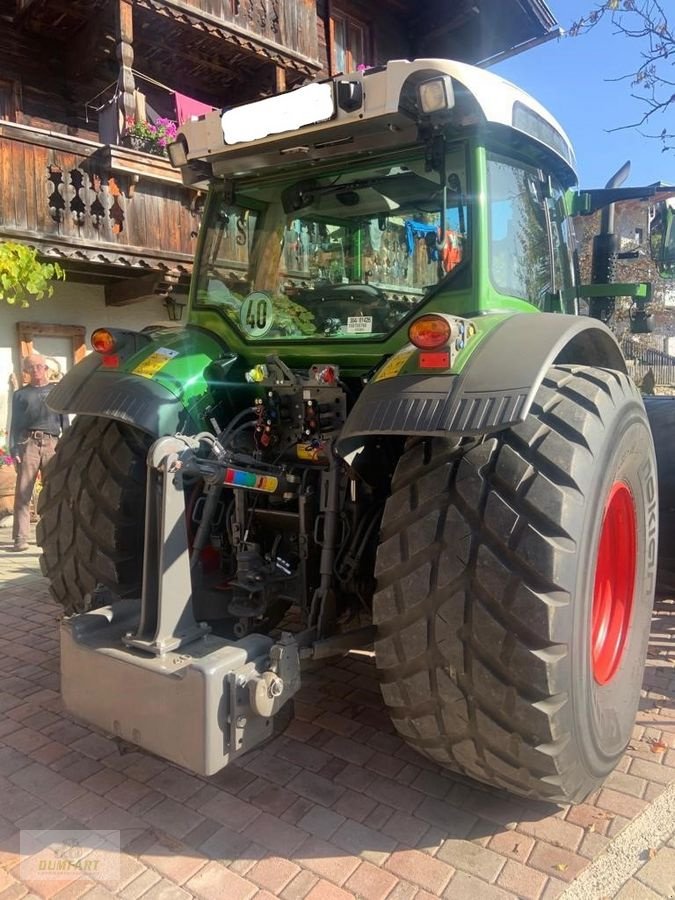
[[95, 202]]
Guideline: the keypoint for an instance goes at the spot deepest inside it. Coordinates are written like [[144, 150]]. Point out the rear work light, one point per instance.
[[178, 151], [430, 332], [103, 341]]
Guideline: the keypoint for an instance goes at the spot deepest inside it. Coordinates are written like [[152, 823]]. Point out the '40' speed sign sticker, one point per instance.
[[256, 315]]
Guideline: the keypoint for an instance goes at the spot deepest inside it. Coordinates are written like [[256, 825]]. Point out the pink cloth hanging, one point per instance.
[[186, 107]]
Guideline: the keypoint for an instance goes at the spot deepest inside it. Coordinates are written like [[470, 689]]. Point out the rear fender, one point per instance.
[[494, 389], [161, 388]]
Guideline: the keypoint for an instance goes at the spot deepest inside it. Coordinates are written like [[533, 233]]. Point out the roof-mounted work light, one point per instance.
[[436, 95]]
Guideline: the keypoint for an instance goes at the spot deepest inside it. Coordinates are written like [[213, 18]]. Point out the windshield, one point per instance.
[[333, 256]]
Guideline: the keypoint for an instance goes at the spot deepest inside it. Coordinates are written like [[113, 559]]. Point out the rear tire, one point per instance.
[[487, 602], [92, 511], [661, 413]]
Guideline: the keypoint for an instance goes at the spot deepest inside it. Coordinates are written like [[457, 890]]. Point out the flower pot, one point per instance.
[[7, 485], [143, 144]]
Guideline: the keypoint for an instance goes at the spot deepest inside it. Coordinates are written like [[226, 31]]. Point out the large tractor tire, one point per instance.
[[515, 589], [661, 413], [92, 512]]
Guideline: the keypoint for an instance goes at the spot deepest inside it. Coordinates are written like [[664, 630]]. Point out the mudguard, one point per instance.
[[160, 388], [494, 389]]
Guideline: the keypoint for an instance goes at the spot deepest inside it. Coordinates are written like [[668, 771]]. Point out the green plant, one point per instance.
[[151, 137], [23, 277]]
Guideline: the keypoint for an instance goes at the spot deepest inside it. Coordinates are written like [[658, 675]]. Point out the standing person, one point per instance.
[[34, 432]]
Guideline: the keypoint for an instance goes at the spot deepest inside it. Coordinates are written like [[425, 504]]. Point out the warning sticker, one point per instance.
[[149, 367], [359, 324], [393, 365]]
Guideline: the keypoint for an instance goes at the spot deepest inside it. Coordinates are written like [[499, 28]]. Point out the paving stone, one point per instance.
[[467, 887], [556, 861], [555, 831], [635, 890], [316, 788], [659, 873], [273, 873], [268, 797], [455, 822], [522, 880], [275, 835], [371, 882], [322, 890], [471, 858], [621, 804], [513, 844], [350, 750], [651, 771], [361, 840], [379, 817], [175, 783], [420, 869], [215, 882], [175, 863], [165, 890], [327, 860], [405, 829], [302, 755], [230, 811], [354, 805], [173, 818], [300, 886], [320, 822]]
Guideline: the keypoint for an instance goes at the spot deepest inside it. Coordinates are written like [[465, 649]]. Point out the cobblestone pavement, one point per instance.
[[336, 807]]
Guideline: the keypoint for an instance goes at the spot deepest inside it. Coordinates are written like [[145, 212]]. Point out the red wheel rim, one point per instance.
[[614, 583]]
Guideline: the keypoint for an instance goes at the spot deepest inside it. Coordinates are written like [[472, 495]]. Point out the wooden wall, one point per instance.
[[45, 96]]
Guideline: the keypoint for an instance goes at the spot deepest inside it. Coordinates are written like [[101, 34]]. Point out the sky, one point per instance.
[[569, 77]]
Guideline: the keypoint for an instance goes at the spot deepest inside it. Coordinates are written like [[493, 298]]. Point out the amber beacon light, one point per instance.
[[103, 341]]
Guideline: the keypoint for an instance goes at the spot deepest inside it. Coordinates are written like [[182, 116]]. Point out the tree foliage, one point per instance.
[[652, 80], [23, 277]]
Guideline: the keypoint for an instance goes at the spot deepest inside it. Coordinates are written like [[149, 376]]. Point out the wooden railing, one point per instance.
[[93, 202]]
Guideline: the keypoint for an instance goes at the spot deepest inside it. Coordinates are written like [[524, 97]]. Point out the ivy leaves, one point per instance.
[[23, 277]]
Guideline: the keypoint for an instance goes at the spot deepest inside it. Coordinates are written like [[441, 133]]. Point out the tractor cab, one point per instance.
[[403, 190]]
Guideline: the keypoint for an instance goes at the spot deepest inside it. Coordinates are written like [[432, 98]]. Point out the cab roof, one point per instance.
[[378, 114]]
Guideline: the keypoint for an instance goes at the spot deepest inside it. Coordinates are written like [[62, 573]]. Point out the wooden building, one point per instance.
[[73, 73]]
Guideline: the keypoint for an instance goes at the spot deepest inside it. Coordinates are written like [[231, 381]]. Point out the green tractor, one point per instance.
[[384, 423]]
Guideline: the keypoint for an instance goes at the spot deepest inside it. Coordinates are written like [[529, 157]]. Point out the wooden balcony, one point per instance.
[[281, 31], [103, 212]]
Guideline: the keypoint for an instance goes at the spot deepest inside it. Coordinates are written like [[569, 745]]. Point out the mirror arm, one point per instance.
[[444, 201], [435, 161]]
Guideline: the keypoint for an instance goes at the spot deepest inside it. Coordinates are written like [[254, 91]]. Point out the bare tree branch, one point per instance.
[[646, 22]]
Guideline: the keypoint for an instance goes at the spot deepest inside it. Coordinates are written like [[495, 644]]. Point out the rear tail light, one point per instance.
[[430, 332]]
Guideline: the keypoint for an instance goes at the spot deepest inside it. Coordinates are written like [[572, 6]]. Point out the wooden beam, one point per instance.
[[124, 35], [279, 79], [142, 287]]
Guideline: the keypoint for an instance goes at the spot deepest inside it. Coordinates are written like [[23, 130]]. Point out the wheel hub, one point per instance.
[[614, 583]]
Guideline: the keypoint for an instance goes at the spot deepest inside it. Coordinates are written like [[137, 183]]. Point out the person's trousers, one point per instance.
[[35, 454]]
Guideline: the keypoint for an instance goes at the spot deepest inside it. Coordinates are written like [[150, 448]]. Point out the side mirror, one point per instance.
[[662, 237]]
